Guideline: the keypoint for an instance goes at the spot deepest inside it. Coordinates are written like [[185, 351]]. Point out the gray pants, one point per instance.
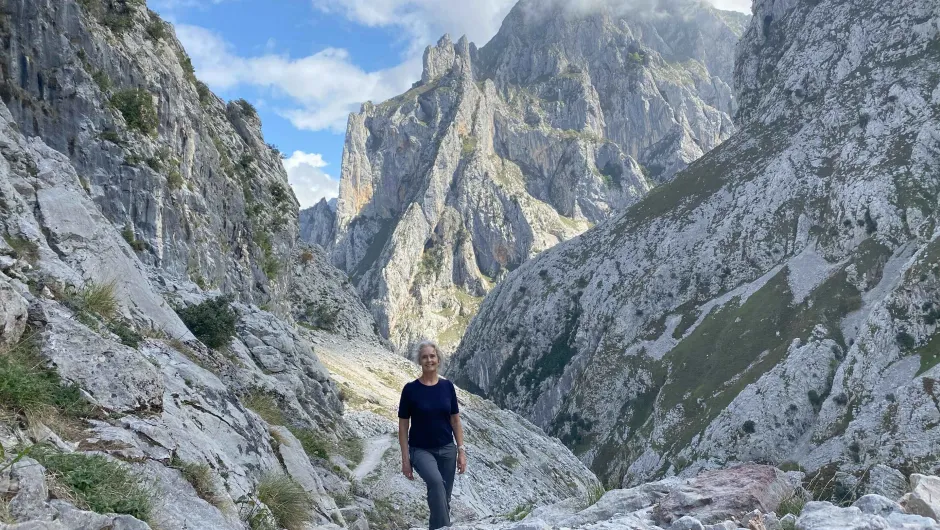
[[436, 467]]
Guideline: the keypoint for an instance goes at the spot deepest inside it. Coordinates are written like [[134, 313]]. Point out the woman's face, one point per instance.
[[428, 360]]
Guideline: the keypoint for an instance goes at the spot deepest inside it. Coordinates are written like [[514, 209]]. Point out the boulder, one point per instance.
[[886, 481], [924, 498], [826, 516], [724, 494]]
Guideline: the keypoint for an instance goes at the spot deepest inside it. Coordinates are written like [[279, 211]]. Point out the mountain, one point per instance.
[[777, 300], [502, 152], [164, 332]]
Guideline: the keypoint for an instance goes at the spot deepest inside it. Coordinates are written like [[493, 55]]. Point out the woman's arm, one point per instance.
[[458, 434], [403, 443]]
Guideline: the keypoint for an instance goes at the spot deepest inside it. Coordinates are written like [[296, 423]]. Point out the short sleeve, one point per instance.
[[404, 405], [453, 400]]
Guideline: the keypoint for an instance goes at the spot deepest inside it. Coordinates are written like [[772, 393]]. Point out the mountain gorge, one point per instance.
[[162, 325], [775, 301], [499, 153]]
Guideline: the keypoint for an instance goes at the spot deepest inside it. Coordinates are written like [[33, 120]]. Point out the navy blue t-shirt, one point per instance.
[[429, 408]]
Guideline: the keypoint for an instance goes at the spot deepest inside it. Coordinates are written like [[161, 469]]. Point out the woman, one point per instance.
[[429, 405]]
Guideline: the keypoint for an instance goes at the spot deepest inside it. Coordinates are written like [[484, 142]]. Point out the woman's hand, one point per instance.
[[462, 461], [406, 468]]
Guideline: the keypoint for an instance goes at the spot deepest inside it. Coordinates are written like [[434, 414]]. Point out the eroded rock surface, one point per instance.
[[501, 152]]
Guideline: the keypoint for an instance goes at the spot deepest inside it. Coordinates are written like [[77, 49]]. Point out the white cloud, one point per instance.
[[426, 20], [305, 174], [743, 6], [323, 88]]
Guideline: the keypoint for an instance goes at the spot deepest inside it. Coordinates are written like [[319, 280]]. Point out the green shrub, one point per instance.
[[28, 387], [205, 95], [314, 445], [246, 107], [128, 235], [289, 503], [125, 333], [174, 180], [264, 405], [201, 477], [468, 146], [111, 136], [136, 105], [99, 484], [156, 29], [189, 71], [102, 80], [322, 316], [212, 321]]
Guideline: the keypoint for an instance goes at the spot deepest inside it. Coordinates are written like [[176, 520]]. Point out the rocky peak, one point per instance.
[[501, 153]]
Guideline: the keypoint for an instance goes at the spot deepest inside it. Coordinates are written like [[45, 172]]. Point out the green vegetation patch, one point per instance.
[[98, 483], [93, 300], [212, 321], [929, 354], [314, 444], [136, 105], [28, 387], [23, 248], [290, 505], [266, 406], [735, 344], [202, 479]]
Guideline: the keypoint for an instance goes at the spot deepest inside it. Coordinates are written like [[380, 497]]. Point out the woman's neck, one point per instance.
[[429, 378]]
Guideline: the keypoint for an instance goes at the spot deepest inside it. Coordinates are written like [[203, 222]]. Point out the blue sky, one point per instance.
[[306, 64]]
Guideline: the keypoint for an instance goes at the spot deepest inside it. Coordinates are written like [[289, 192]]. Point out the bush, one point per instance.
[[156, 29], [246, 107], [174, 180], [128, 235], [313, 444], [201, 477], [125, 333], [102, 80], [99, 484], [289, 503], [136, 105], [28, 387], [212, 321], [749, 426], [205, 95]]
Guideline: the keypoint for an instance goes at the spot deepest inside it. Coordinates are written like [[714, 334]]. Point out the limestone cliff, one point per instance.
[[499, 153], [131, 195], [778, 299]]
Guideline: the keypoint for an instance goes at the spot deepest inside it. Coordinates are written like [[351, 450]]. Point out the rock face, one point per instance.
[[778, 299], [187, 178], [500, 153], [78, 300]]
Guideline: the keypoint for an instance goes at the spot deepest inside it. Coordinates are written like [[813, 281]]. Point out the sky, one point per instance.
[[306, 64]]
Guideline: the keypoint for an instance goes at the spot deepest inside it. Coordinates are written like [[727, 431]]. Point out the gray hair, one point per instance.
[[428, 344]]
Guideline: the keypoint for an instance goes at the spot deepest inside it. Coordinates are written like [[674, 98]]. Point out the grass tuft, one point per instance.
[[314, 445], [264, 405], [28, 387], [98, 483], [202, 479], [289, 503]]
